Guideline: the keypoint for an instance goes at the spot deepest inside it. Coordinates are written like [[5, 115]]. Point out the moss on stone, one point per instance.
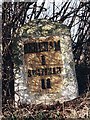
[[43, 27]]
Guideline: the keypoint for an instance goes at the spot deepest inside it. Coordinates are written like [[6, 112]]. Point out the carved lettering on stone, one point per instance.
[[44, 64]]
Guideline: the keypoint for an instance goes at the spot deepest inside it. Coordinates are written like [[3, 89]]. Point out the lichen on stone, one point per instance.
[[45, 30]]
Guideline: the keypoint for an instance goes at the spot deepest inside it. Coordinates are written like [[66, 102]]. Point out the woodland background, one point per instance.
[[76, 15]]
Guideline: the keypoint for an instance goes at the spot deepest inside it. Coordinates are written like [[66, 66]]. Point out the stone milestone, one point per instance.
[[48, 62]]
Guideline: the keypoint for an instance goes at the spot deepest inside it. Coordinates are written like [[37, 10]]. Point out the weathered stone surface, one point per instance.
[[63, 83]]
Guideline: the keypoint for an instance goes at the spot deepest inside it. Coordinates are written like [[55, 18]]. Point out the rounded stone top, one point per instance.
[[43, 28]]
